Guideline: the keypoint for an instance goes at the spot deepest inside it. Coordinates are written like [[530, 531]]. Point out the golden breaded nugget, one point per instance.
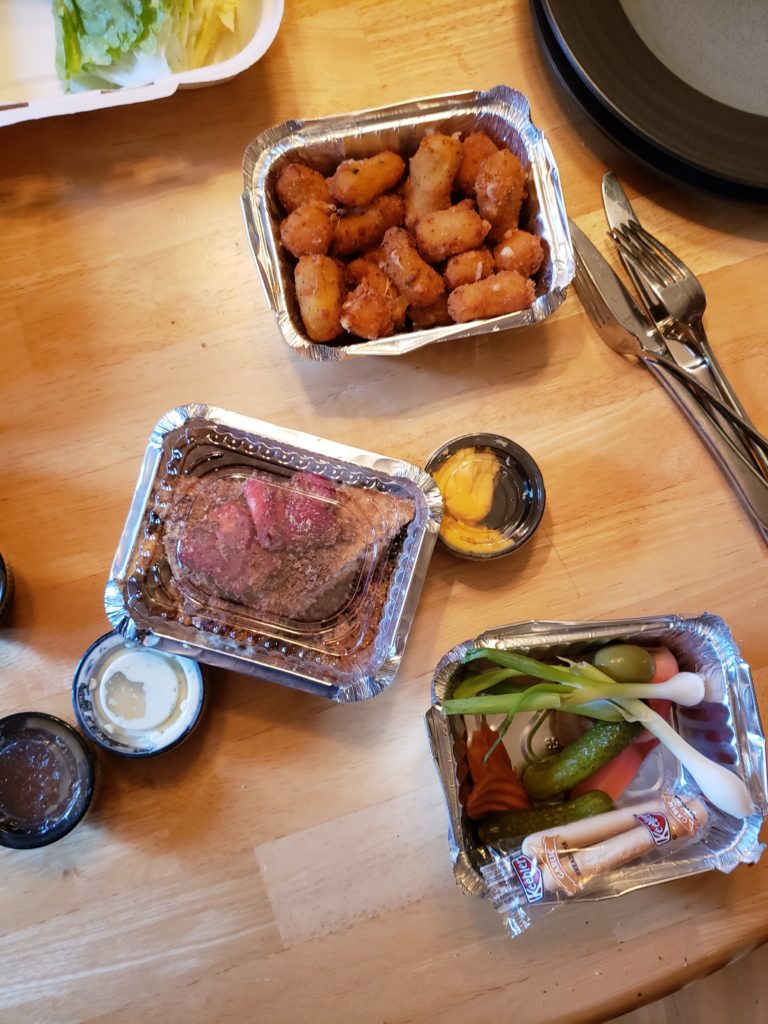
[[521, 251], [297, 183], [416, 281], [309, 229], [477, 148], [358, 182], [432, 169], [500, 190], [319, 289], [468, 267], [375, 255], [361, 269], [366, 313], [363, 228], [445, 233], [434, 315], [501, 293]]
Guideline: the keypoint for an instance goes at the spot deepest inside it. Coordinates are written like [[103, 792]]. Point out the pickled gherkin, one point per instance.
[[580, 759], [507, 825]]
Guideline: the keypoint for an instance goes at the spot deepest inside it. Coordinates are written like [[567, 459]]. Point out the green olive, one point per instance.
[[626, 663]]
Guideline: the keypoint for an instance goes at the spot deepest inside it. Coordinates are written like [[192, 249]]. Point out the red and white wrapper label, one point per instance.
[[683, 821], [530, 877], [657, 825]]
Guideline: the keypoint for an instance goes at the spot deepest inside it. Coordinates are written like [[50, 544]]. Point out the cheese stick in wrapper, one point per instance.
[[568, 866], [602, 826]]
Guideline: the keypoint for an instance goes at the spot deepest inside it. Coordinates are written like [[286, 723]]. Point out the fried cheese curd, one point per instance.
[[358, 182], [360, 229], [361, 270], [320, 291], [521, 251], [297, 183], [309, 229], [505, 292], [379, 253], [477, 148], [467, 267], [500, 191], [434, 315], [366, 313], [419, 283], [446, 233], [433, 168]]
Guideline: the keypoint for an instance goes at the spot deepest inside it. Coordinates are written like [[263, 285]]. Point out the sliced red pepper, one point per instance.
[[614, 776]]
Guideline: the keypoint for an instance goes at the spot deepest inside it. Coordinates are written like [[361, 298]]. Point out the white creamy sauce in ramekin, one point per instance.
[[144, 699]]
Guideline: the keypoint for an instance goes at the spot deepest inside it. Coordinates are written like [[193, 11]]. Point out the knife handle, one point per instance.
[[750, 488]]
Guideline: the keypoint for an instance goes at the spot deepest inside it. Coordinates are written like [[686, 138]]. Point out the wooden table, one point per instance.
[[290, 862]]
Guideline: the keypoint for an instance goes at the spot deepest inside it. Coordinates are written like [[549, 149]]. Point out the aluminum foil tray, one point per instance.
[[725, 727], [502, 112], [148, 599]]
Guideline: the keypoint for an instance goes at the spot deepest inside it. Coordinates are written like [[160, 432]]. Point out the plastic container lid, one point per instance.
[[133, 701], [493, 495], [296, 556], [47, 778]]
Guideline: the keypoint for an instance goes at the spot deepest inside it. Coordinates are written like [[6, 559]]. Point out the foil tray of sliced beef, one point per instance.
[[272, 552]]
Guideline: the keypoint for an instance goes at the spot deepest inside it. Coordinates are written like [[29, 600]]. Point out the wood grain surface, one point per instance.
[[290, 862]]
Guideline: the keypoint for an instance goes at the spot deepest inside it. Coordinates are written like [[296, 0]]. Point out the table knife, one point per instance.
[[623, 317]]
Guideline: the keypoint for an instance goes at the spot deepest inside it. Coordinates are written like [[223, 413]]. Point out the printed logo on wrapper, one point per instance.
[[562, 865], [657, 825], [681, 813], [530, 878]]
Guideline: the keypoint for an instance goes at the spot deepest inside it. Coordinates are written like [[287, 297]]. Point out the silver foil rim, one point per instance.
[[363, 132], [223, 652], [703, 643]]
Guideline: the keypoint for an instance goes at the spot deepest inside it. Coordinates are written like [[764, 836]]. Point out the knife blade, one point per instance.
[[620, 303], [618, 209], [624, 328]]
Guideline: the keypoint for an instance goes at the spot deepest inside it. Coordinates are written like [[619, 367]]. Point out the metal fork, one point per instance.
[[751, 488], [675, 299], [686, 353], [704, 400]]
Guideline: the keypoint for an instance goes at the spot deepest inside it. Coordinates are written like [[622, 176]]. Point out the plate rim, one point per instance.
[[602, 27]]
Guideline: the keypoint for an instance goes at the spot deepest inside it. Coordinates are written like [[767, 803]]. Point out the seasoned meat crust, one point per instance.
[[284, 548]]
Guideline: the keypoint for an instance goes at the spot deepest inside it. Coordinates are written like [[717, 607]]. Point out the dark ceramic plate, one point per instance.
[[602, 61]]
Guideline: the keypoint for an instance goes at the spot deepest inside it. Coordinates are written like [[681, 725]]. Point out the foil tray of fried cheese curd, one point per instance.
[[725, 727], [272, 552], [501, 112]]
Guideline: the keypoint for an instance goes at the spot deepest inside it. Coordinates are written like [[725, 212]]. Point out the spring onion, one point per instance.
[[582, 688]]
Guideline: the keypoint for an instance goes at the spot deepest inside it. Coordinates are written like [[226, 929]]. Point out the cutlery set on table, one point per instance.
[[665, 332]]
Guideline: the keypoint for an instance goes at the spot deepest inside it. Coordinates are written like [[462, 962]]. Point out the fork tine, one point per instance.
[[645, 289], [675, 262], [649, 256], [627, 243]]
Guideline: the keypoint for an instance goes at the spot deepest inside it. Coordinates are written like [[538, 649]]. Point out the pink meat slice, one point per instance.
[[221, 543], [311, 510], [265, 505], [303, 514]]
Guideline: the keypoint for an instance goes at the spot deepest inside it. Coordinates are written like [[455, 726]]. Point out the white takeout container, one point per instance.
[[30, 87]]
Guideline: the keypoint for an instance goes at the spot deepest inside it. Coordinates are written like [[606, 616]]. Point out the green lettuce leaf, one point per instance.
[[92, 35], [126, 42]]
